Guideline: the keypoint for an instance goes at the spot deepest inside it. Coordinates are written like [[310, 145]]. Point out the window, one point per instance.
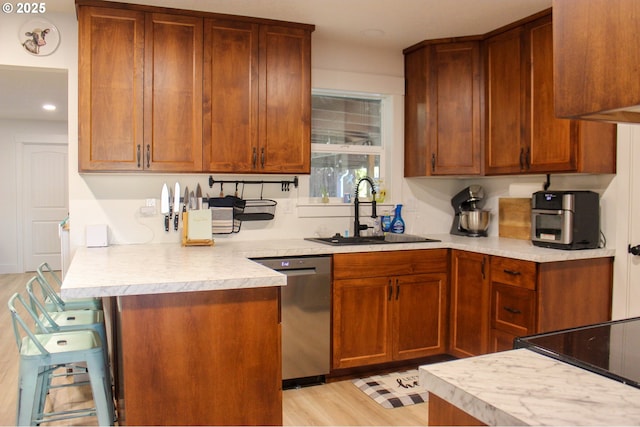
[[346, 143]]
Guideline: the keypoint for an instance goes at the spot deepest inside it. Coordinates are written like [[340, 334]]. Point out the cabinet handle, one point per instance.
[[512, 272], [262, 157], [522, 159], [148, 156], [527, 158], [390, 290], [138, 155], [484, 262], [433, 162], [397, 289], [254, 158], [512, 310]]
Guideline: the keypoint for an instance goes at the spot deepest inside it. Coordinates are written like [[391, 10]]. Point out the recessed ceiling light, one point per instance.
[[49, 107]]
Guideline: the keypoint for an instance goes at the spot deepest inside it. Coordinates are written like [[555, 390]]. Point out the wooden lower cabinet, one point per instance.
[[469, 321], [388, 306], [496, 299], [199, 358]]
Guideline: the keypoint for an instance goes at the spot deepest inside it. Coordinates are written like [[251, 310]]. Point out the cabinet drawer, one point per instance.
[[512, 309], [389, 263], [513, 272]]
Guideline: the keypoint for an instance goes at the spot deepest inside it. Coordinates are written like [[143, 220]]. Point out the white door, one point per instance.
[[44, 202]]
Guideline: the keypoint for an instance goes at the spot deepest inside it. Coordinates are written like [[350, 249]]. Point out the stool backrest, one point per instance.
[[19, 324], [44, 271], [38, 308]]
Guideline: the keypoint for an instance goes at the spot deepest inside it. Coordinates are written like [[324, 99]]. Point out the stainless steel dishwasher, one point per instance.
[[306, 321]]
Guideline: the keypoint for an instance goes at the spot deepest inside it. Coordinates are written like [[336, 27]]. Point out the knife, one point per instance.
[[164, 206], [185, 202], [199, 196], [176, 206], [192, 201]]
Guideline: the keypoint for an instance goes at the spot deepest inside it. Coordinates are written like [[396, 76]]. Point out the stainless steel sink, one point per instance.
[[388, 238]]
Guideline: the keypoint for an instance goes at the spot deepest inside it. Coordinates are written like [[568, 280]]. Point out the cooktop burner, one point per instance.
[[611, 349]]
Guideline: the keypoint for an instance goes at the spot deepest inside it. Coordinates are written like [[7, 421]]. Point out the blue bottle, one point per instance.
[[397, 223]]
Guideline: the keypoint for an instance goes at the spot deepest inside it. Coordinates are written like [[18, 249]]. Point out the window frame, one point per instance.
[[381, 150]]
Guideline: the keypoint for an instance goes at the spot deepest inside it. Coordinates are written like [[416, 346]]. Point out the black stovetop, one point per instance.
[[611, 349]]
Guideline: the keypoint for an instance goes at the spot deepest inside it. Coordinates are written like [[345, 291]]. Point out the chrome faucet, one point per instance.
[[356, 203]]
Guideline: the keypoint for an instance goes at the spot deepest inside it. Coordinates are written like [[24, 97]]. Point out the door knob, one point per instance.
[[634, 250]]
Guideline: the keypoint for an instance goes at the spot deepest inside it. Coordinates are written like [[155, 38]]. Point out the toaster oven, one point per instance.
[[565, 219]]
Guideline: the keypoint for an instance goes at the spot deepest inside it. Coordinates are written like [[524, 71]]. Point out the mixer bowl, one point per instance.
[[475, 221]]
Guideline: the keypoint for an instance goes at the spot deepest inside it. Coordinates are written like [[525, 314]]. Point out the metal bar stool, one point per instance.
[[41, 353], [54, 302], [68, 320]]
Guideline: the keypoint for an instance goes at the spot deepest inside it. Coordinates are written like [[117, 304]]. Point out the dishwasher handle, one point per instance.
[[298, 271]]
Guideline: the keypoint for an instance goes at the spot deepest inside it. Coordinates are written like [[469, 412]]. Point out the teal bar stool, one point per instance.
[[68, 320], [53, 300], [42, 353]]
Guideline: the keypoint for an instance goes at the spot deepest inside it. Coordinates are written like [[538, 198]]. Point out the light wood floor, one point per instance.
[[334, 404]]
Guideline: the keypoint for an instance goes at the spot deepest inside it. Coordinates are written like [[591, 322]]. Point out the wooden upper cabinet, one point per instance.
[[442, 109], [140, 91], [522, 133], [596, 59], [110, 88], [285, 119], [173, 93], [505, 146], [230, 95], [257, 98], [166, 90], [552, 148]]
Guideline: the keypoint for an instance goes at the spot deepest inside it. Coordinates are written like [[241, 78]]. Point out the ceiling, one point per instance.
[[379, 24]]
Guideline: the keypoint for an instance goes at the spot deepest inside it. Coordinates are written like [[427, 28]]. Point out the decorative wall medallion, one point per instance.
[[39, 37]]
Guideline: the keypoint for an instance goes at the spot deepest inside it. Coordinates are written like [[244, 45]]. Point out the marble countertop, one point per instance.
[[165, 268], [521, 387]]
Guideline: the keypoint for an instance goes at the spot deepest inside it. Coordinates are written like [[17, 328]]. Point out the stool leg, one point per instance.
[[101, 388], [28, 392]]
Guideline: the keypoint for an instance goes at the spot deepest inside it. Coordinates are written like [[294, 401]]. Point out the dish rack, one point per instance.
[[229, 212]]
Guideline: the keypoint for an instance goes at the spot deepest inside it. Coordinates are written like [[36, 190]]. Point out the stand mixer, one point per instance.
[[469, 219]]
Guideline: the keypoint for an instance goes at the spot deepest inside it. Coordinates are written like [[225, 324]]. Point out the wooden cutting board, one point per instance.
[[514, 218]]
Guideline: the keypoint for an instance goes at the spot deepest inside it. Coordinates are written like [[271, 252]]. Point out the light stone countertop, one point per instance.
[[521, 387], [167, 267]]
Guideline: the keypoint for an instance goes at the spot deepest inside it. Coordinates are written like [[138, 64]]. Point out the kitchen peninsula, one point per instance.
[[197, 329]]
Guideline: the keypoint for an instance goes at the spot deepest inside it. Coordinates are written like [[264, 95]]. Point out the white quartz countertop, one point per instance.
[[165, 268], [521, 387], [161, 268]]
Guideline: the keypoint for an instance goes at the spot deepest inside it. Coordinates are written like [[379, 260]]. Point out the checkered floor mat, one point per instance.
[[393, 390]]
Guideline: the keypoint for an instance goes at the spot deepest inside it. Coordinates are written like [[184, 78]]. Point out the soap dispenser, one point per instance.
[[397, 223]]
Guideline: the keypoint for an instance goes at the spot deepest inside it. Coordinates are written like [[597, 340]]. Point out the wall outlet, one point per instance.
[[147, 210], [150, 203]]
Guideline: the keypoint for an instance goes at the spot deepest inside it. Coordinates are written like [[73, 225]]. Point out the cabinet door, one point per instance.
[[470, 310], [505, 148], [361, 321], [551, 145], [284, 117], [110, 89], [419, 315], [230, 96], [596, 59], [417, 158], [454, 103], [173, 93]]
